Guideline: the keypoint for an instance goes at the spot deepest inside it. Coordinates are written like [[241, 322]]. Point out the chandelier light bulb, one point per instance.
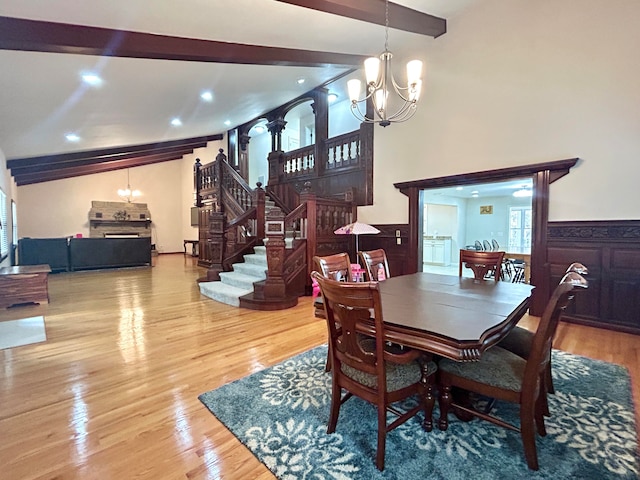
[[414, 72], [372, 70]]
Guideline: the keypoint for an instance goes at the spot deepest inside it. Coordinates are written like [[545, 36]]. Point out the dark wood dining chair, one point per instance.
[[482, 263], [503, 375], [362, 365], [520, 340], [376, 267], [336, 267]]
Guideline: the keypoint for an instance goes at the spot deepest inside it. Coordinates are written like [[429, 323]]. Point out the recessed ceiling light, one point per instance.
[[176, 122], [332, 97], [91, 79], [259, 128], [207, 96], [300, 81], [474, 195], [72, 137], [227, 122], [459, 188]]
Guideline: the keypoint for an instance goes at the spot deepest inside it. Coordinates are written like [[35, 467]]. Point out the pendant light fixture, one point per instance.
[[379, 83], [127, 194]]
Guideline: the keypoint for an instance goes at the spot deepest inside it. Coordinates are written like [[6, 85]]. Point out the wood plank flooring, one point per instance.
[[112, 393]]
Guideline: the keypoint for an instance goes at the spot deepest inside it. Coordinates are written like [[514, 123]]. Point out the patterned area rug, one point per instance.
[[281, 415]]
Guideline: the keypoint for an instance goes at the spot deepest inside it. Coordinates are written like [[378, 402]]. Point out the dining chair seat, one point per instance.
[[498, 367]]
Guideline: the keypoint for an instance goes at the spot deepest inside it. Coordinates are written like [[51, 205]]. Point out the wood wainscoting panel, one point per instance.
[[388, 240], [611, 252]]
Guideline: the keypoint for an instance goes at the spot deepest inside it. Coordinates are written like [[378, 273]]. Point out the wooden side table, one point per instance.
[[194, 247], [24, 284]]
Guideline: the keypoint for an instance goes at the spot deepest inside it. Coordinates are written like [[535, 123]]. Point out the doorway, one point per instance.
[[487, 216]]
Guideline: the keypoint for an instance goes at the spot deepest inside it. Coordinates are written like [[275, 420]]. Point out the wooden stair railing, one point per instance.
[[232, 215]]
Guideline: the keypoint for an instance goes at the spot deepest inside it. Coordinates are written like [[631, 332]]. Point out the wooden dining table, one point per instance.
[[455, 317]]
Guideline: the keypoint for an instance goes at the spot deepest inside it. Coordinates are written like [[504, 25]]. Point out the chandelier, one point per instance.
[[127, 194], [379, 81]]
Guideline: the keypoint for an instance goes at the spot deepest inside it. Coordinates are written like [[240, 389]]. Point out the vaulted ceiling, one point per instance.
[[155, 64]]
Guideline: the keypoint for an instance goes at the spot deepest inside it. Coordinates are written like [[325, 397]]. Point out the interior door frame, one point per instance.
[[542, 174]]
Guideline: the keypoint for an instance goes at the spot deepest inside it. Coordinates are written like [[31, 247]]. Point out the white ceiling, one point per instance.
[[483, 190], [43, 99]]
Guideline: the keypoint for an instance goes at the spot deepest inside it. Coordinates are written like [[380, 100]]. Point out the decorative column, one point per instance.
[[275, 127]]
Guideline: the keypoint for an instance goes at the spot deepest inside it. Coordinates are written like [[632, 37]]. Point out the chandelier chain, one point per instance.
[[386, 25]]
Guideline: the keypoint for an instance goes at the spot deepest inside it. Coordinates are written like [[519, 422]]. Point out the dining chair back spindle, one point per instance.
[[503, 375], [376, 266], [361, 364]]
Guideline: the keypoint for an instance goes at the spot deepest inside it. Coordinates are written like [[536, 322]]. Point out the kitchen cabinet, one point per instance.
[[436, 251]]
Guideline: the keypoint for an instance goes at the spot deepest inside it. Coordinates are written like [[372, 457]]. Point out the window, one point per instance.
[[4, 226], [519, 229], [14, 222]]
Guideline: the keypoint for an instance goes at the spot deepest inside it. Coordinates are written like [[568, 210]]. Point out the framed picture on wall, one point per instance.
[[486, 209]]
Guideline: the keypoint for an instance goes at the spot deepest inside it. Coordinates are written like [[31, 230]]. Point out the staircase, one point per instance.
[[239, 282]]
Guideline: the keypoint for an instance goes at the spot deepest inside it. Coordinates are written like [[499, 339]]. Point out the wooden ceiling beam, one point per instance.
[[41, 36], [43, 169], [373, 11], [62, 173], [116, 153]]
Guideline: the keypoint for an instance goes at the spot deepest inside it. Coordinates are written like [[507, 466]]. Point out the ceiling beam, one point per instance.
[[62, 173], [40, 36], [373, 11], [116, 153], [153, 156]]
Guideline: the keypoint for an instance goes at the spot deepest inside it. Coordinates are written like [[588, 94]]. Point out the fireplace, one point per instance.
[[119, 220]]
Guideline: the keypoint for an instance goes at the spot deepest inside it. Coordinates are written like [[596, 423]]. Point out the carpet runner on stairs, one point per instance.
[[239, 282]]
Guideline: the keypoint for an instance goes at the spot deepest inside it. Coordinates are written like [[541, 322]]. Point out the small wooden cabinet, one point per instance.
[[436, 251]]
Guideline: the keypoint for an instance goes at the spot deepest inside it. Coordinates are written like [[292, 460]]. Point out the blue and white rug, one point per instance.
[[281, 415]]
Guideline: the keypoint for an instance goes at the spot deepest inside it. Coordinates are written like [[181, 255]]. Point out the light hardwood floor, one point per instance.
[[112, 393]]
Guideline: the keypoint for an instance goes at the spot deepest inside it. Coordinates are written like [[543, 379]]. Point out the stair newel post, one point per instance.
[[197, 180], [274, 285], [308, 197], [216, 245], [260, 211]]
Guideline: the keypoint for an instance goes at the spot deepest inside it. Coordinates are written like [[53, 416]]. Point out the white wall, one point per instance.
[[8, 186], [259, 148], [61, 208], [522, 82]]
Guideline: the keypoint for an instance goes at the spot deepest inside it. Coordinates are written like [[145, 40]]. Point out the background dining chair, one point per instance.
[[376, 267], [478, 245], [520, 340], [503, 375], [482, 263], [486, 246], [362, 366], [495, 246]]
